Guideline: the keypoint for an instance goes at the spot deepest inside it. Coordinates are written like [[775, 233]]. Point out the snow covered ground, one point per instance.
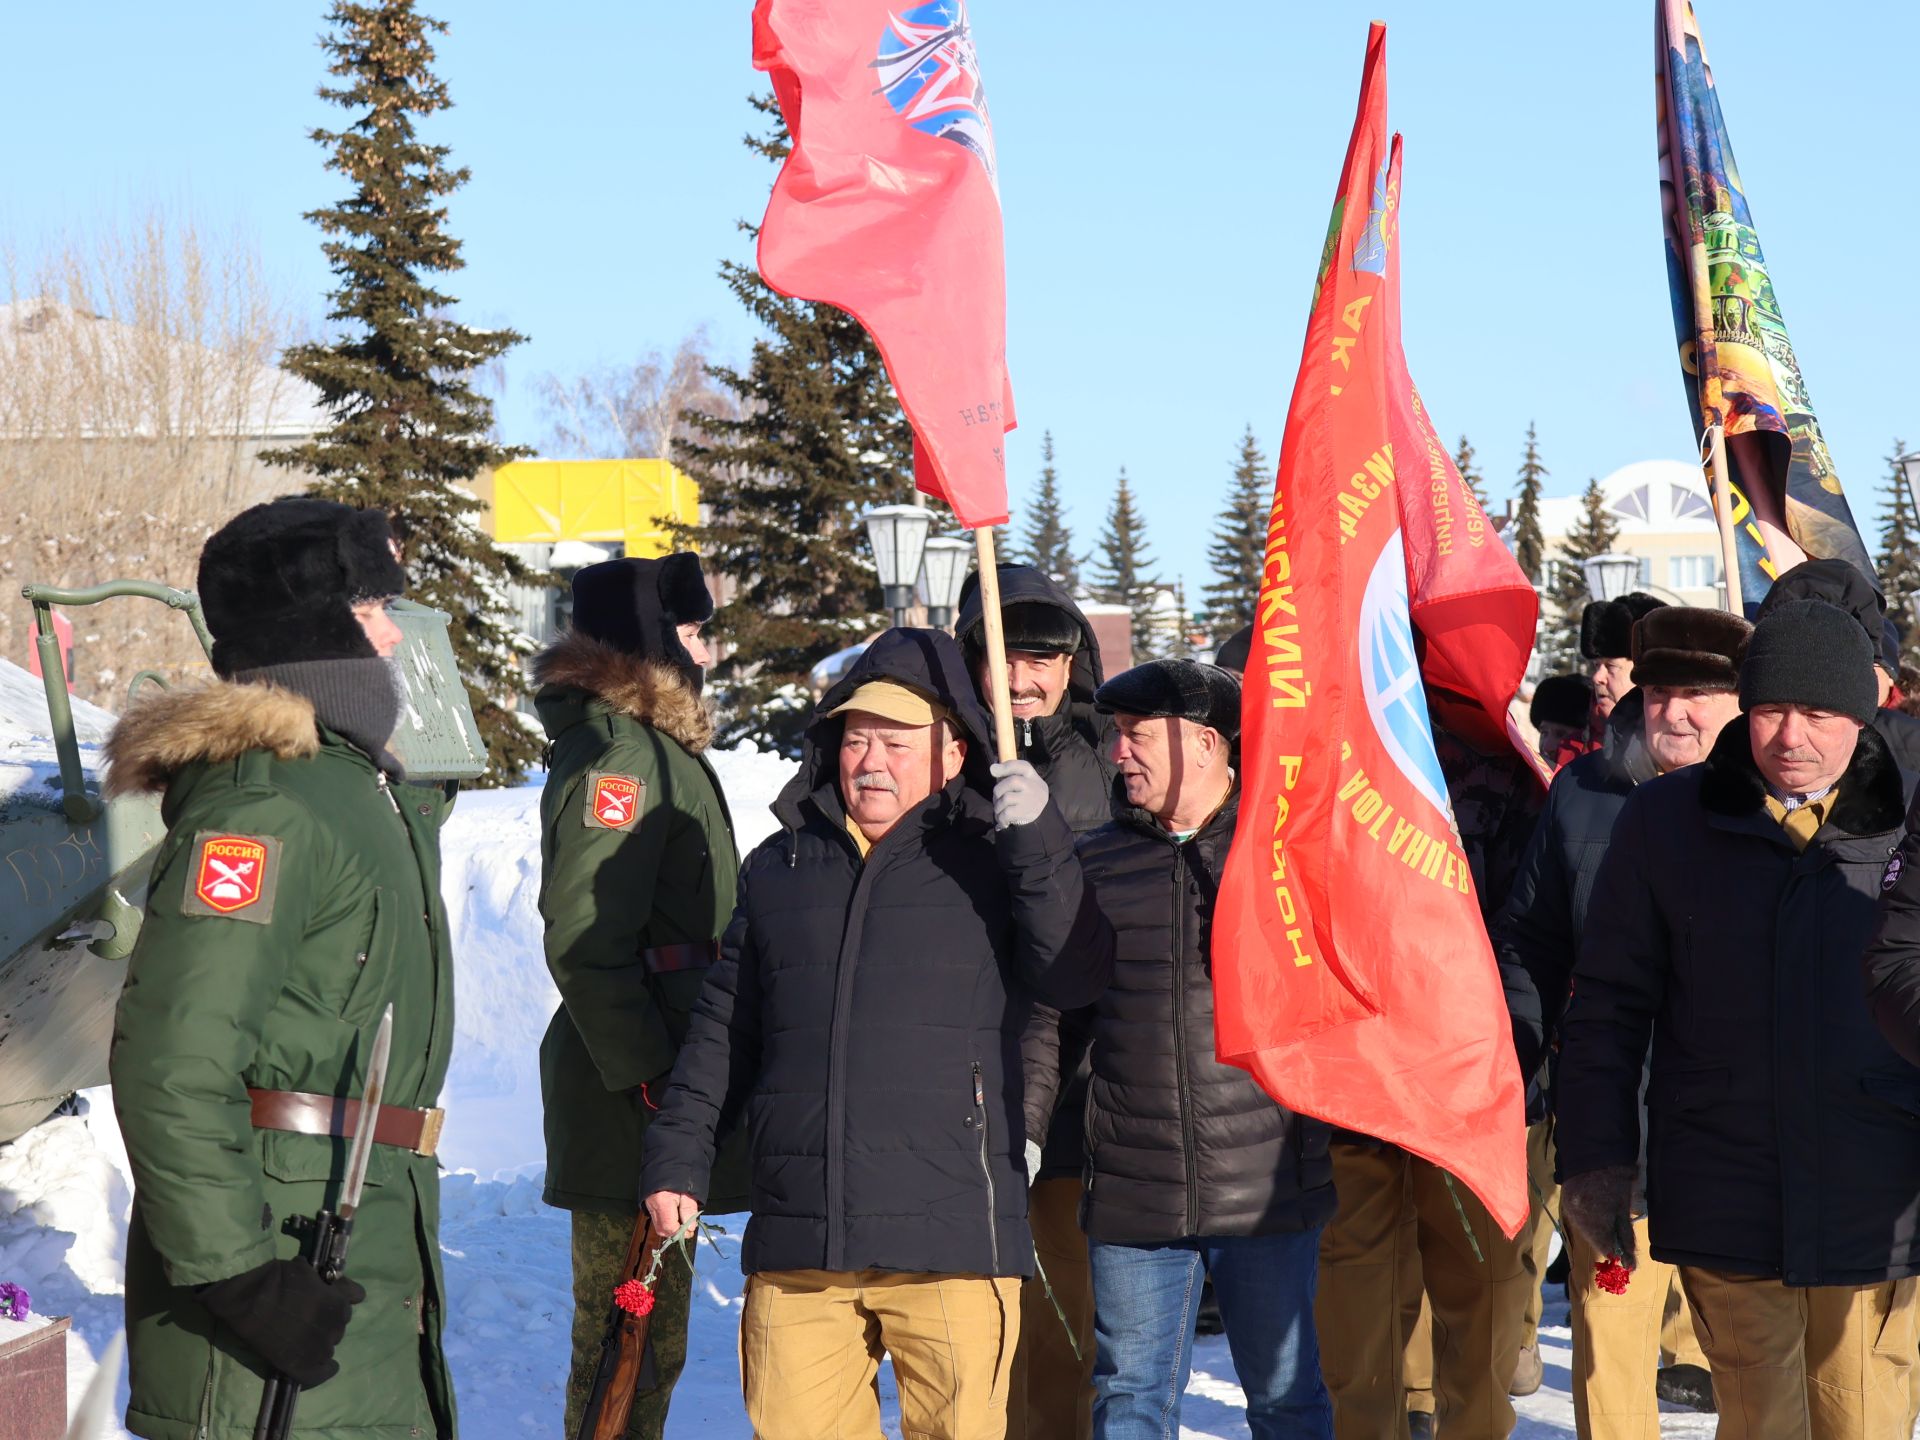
[[64, 1190]]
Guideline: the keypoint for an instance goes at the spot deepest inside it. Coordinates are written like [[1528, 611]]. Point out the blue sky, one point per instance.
[[1166, 176]]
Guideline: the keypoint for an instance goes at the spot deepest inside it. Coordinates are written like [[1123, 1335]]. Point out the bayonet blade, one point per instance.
[[372, 1096]]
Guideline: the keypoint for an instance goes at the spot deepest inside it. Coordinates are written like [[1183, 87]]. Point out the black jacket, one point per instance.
[[867, 1017], [1071, 749], [1537, 935], [1179, 1144], [1901, 731], [1784, 1133]]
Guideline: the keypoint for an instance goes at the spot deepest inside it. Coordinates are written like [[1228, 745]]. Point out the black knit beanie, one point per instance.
[[1807, 652], [278, 583], [638, 606]]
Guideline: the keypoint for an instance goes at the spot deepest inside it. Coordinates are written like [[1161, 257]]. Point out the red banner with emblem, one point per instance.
[[1352, 972], [888, 206]]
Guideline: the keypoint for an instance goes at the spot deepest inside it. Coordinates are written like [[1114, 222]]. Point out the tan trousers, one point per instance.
[[1678, 1344], [1544, 1191], [1827, 1362], [1616, 1344], [811, 1342], [1416, 1317], [1477, 1303], [1051, 1395]]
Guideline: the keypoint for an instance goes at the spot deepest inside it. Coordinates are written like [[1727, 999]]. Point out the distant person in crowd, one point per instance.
[[1606, 644], [1053, 670], [865, 1019], [1840, 584], [1561, 712], [1191, 1167], [1476, 1279], [1234, 650], [1686, 688], [636, 885], [1727, 929], [1909, 690]]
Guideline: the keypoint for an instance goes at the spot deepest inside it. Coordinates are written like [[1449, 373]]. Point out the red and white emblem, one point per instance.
[[232, 872], [616, 801]]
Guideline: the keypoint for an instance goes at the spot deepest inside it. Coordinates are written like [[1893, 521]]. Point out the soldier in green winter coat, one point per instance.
[[638, 868], [294, 898]]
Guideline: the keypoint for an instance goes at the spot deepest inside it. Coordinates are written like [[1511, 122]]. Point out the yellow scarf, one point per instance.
[[865, 845], [1802, 822]]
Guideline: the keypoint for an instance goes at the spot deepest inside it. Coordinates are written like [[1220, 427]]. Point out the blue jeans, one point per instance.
[[1146, 1299]]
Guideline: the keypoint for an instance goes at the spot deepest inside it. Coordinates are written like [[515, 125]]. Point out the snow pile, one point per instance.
[[64, 1190], [29, 768]]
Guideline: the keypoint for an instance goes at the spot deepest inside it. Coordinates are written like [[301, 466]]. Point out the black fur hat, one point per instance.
[[1561, 700], [1039, 628], [1687, 647], [1184, 689], [638, 606], [1606, 626], [279, 581], [1235, 650]]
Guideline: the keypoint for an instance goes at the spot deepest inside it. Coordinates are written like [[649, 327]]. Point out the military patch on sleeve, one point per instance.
[[613, 801], [233, 875], [1892, 877]]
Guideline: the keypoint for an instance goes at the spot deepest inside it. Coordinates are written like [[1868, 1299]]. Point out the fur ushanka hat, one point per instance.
[[1606, 626]]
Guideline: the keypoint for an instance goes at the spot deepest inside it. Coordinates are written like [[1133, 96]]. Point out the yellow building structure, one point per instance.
[[629, 503]]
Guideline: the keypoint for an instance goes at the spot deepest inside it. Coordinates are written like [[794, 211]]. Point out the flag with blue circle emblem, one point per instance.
[[1353, 976]]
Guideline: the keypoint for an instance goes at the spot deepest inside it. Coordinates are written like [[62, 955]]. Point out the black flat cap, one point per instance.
[[1183, 689]]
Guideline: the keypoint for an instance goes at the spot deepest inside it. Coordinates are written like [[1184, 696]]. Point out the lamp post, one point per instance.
[[1910, 467], [1610, 576], [898, 535], [943, 571]]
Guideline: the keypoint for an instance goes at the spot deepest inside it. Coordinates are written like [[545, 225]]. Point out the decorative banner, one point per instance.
[[1352, 973], [888, 207], [1739, 365]]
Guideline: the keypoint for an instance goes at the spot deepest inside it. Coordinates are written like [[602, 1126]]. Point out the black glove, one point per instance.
[[1599, 1204], [288, 1315]]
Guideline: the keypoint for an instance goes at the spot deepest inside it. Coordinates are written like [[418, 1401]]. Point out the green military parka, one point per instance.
[[637, 853], [294, 898]]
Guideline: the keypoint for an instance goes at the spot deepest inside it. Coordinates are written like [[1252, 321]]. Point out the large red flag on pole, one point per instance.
[[1352, 971], [888, 207]]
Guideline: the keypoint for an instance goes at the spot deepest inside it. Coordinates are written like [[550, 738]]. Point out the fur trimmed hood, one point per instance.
[[163, 733], [650, 691], [1873, 792]]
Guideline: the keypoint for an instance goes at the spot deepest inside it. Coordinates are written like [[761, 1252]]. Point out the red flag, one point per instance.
[[1352, 973], [889, 208]]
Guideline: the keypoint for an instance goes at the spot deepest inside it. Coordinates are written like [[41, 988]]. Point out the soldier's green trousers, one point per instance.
[[599, 1250]]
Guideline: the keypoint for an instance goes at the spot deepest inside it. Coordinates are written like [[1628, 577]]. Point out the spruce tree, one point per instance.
[[1470, 475], [1124, 572], [408, 431], [818, 438], [1238, 551], [1529, 546], [1900, 555], [1047, 543], [1595, 534]]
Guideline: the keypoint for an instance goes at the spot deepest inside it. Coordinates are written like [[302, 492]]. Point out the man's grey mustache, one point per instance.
[[876, 782]]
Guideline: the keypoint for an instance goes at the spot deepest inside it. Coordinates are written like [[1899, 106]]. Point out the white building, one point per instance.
[[1665, 520]]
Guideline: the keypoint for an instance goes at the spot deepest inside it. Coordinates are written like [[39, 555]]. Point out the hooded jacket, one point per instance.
[[1070, 748], [1536, 936], [631, 902], [274, 978], [1179, 1144], [1781, 1126], [865, 1016]]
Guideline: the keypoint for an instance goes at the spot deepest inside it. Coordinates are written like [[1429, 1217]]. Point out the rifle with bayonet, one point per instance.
[[626, 1358], [332, 1229]]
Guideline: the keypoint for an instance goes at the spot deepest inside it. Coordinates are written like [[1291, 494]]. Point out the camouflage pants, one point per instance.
[[599, 1250]]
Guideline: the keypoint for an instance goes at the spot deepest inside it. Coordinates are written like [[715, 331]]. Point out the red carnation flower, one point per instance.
[[633, 1297], [1611, 1276]]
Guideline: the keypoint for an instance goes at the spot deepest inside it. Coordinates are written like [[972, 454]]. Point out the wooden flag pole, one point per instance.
[[1722, 492], [996, 643]]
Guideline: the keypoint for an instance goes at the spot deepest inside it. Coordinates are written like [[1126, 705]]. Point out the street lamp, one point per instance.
[[943, 571], [1610, 576], [1910, 466], [898, 535]]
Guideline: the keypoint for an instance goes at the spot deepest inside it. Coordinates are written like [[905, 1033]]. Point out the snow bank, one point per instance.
[[29, 769]]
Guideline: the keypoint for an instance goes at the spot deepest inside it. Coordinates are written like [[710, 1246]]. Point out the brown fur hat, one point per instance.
[[1687, 647]]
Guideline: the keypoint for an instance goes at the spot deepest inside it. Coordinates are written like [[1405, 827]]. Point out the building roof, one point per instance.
[[1648, 497]]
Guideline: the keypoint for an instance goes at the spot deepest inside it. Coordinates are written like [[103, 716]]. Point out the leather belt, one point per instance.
[[689, 955], [299, 1113]]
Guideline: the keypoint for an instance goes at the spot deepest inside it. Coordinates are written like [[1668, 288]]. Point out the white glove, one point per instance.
[[1033, 1162], [1019, 794]]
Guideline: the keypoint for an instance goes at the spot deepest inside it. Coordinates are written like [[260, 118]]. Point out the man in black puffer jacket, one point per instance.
[[1190, 1165], [1726, 928], [865, 1016], [1053, 669]]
